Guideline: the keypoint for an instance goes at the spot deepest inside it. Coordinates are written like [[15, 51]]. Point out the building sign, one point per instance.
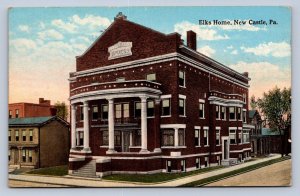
[[120, 49]]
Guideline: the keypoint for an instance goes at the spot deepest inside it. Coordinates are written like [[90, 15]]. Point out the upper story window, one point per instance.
[[118, 110], [245, 136], [197, 137], [217, 112], [223, 113], [150, 108], [244, 116], [30, 135], [166, 107], [181, 137], [232, 136], [17, 113], [231, 113], [126, 110], [201, 108], [24, 135], [239, 136], [104, 111], [181, 78], [206, 143], [9, 114], [81, 112], [244, 98], [120, 79], [239, 113], [218, 136], [137, 109], [181, 105], [9, 135], [151, 77], [17, 135], [95, 115]]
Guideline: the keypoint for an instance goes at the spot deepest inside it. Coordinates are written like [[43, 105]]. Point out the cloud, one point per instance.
[[202, 33], [50, 34], [42, 25], [264, 76], [67, 26], [24, 28], [230, 47], [22, 45], [281, 49], [234, 52], [206, 50], [91, 21]]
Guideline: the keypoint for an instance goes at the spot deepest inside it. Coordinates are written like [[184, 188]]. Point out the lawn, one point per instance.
[[53, 171], [234, 173], [156, 178]]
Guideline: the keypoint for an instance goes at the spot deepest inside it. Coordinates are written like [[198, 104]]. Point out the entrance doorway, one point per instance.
[[225, 148]]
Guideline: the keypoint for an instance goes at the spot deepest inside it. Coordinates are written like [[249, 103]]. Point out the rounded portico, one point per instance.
[[116, 116]]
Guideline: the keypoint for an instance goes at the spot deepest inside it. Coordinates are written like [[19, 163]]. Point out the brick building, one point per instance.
[[21, 110], [144, 102], [38, 142]]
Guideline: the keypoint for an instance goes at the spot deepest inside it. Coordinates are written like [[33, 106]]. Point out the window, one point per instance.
[[31, 135], [239, 114], [245, 136], [232, 136], [181, 78], [182, 107], [197, 163], [137, 109], [9, 155], [24, 135], [126, 110], [24, 155], [244, 116], [120, 79], [218, 160], [81, 112], [95, 113], [182, 165], [217, 112], [166, 109], [80, 141], [9, 135], [105, 138], [104, 112], [206, 137], [151, 77], [117, 138], [240, 137], [244, 98], [150, 108], [30, 155], [137, 138], [223, 113], [197, 137], [181, 137], [9, 114], [169, 166], [118, 110], [231, 113], [167, 137], [206, 161], [217, 136], [201, 110], [17, 135], [17, 113]]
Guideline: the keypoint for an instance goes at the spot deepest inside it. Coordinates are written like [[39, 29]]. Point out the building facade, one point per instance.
[[22, 110], [144, 102], [38, 142]]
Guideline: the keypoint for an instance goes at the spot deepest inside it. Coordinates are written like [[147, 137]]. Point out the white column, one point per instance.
[[144, 124], [176, 137], [111, 126], [86, 134], [130, 139], [73, 126]]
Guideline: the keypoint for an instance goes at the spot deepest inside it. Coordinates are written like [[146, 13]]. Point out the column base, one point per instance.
[[110, 151], [87, 150], [144, 151], [157, 150]]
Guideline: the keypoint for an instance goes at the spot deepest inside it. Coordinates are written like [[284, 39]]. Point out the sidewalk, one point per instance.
[[95, 182]]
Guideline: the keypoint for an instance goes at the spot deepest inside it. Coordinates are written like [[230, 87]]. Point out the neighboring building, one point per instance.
[[38, 142], [143, 102], [21, 110], [260, 144]]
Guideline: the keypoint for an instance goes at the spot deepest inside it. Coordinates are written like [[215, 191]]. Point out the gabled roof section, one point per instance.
[[34, 121], [251, 113]]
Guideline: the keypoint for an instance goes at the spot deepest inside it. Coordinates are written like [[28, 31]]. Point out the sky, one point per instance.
[[43, 43]]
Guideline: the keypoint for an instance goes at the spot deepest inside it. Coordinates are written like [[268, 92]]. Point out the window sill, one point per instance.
[[206, 145], [173, 147], [184, 116], [103, 146], [198, 146], [150, 117], [165, 116], [218, 145], [218, 118], [135, 147], [202, 118], [182, 86], [232, 120]]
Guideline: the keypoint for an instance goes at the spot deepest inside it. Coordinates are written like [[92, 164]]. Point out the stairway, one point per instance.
[[88, 170]]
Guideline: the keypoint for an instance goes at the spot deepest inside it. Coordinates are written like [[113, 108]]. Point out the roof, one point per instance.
[[251, 113], [34, 121]]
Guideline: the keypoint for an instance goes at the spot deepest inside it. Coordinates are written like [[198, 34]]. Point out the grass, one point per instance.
[[155, 178], [234, 173], [52, 171]]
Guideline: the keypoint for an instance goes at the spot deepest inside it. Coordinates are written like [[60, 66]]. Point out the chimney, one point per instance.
[[191, 40], [42, 101], [246, 74], [121, 16]]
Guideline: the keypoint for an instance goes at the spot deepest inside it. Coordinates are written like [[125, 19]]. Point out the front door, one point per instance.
[[125, 141]]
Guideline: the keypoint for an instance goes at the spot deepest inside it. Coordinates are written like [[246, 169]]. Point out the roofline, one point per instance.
[[41, 124]]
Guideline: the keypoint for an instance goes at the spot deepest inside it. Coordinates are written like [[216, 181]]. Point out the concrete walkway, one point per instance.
[[94, 182]]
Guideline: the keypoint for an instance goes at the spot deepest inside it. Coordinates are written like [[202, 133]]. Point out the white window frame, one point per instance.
[[244, 98], [163, 97], [219, 112], [219, 130], [232, 129], [206, 129], [202, 102], [184, 78], [234, 113], [241, 113], [244, 116], [198, 128], [93, 106], [223, 107], [182, 97]]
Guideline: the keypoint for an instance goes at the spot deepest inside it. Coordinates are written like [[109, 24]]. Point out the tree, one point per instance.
[[61, 110], [276, 108]]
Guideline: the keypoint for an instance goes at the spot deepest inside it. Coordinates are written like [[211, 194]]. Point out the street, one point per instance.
[[278, 174]]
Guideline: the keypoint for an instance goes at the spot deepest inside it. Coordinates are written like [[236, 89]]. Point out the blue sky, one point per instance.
[[43, 43]]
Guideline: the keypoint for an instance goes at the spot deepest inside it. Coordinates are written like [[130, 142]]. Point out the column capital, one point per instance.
[[157, 101], [110, 100], [85, 104], [143, 98], [73, 106]]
